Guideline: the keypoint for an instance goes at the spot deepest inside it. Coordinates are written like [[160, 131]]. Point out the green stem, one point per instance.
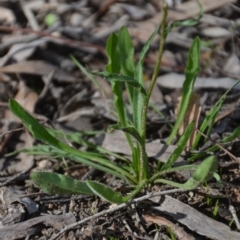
[[143, 155]]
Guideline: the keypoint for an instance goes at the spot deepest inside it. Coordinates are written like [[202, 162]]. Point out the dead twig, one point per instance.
[[221, 147], [11, 179], [114, 209], [62, 39]]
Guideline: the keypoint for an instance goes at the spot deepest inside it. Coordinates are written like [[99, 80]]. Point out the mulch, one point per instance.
[[38, 40]]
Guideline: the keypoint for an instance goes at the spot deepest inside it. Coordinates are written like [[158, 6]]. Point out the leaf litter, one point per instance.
[[94, 24]]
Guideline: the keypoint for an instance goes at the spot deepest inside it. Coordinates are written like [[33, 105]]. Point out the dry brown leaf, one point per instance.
[[161, 221], [29, 227], [116, 142], [195, 220], [192, 114], [185, 10], [27, 98], [232, 66], [175, 80], [41, 68]]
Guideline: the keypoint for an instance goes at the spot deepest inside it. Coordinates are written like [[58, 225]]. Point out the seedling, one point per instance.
[[122, 71]]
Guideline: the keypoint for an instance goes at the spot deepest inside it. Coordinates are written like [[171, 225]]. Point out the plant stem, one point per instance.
[[143, 156]]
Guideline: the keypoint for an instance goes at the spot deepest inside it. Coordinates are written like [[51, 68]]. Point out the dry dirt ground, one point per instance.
[[37, 71]]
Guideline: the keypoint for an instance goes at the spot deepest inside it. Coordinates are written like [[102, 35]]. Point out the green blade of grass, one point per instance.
[[53, 183], [181, 145], [191, 73], [234, 135], [87, 74], [208, 121], [211, 116]]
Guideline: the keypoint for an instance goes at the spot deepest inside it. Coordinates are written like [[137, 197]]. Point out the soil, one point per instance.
[[38, 40]]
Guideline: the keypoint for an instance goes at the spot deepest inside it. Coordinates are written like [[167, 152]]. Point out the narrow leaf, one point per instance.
[[211, 116], [114, 64], [42, 134], [110, 195], [126, 51], [191, 73], [130, 130], [87, 74], [121, 78], [181, 145], [37, 130], [203, 173], [138, 99], [53, 183], [185, 23], [105, 192]]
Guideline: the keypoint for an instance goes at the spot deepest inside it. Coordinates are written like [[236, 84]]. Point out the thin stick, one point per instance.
[[62, 39], [11, 179], [221, 147], [114, 209], [143, 157]]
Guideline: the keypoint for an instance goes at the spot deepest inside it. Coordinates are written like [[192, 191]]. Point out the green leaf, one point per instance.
[[203, 173], [126, 51], [185, 23], [87, 74], [130, 130], [138, 99], [115, 77], [105, 192], [211, 116], [191, 73], [53, 183], [78, 137], [110, 195], [209, 121], [234, 135], [39, 132], [114, 64], [181, 145]]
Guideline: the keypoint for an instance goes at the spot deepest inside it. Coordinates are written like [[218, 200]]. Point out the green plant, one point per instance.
[[113, 238], [122, 72], [215, 209], [50, 19], [171, 233]]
